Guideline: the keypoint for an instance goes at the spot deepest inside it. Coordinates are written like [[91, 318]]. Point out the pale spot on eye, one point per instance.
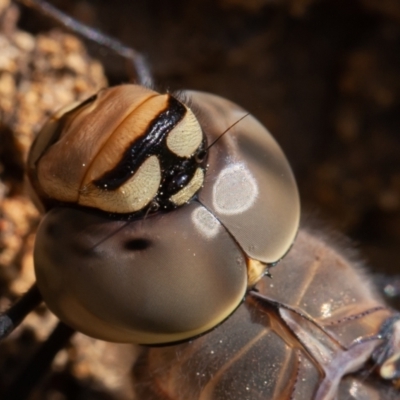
[[354, 389], [207, 225], [326, 310], [235, 190]]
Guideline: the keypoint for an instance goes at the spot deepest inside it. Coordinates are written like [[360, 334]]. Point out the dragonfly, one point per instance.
[[265, 303]]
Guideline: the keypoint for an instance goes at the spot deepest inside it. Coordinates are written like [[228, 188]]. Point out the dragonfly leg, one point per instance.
[[18, 311], [40, 363]]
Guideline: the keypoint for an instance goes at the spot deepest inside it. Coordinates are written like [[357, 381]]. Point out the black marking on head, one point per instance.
[[148, 144], [177, 173]]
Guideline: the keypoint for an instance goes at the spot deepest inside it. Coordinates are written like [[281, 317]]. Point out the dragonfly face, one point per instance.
[[120, 153], [90, 237]]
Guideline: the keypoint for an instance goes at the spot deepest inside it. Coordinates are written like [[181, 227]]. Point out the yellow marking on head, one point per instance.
[[186, 137], [186, 193], [133, 127], [135, 194]]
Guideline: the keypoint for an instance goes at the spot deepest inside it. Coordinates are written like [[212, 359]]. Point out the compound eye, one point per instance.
[[249, 186], [161, 279]]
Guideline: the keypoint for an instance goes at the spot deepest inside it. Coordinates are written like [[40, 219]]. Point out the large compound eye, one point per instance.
[[161, 279], [119, 152], [249, 185]]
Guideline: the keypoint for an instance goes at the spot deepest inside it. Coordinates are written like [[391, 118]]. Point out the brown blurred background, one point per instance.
[[322, 75]]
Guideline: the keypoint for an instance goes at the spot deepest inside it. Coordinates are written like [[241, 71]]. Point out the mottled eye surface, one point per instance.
[[249, 184], [161, 279], [120, 151]]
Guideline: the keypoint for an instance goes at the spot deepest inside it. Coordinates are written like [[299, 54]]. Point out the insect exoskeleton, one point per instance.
[[157, 221]]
